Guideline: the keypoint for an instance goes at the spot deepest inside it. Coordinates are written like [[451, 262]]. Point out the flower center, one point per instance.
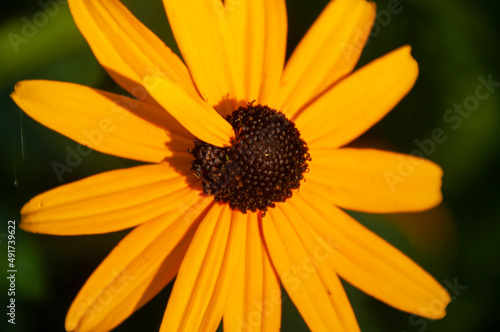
[[263, 165]]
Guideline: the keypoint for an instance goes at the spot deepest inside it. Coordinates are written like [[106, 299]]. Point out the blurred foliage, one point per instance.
[[455, 43]]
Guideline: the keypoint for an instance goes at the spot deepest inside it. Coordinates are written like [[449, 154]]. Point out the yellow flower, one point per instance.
[[186, 204]]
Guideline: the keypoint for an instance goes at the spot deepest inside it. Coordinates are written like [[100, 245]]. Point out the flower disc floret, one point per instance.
[[263, 165]]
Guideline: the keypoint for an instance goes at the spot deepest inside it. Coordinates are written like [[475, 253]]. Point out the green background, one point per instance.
[[455, 42]]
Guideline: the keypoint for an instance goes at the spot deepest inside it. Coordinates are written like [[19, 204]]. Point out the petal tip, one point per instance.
[[22, 225], [17, 87], [70, 326], [435, 308], [28, 226]]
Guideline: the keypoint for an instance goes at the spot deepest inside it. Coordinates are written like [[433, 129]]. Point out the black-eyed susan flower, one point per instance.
[[247, 175]]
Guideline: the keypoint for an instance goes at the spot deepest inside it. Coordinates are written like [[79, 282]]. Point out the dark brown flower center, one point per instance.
[[261, 167]]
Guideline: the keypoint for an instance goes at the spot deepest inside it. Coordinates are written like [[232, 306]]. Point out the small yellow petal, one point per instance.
[[204, 39], [375, 181], [109, 201], [125, 47], [359, 101], [200, 292], [367, 261], [312, 285], [254, 302], [144, 262], [193, 113], [232, 257], [104, 121], [327, 53], [259, 29]]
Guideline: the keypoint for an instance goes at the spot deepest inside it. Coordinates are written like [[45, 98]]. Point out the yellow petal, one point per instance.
[[103, 121], [146, 260], [312, 285], [259, 30], [201, 289], [329, 51], [193, 113], [254, 303], [232, 257], [367, 261], [203, 36], [359, 101], [375, 181], [125, 47], [109, 201]]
